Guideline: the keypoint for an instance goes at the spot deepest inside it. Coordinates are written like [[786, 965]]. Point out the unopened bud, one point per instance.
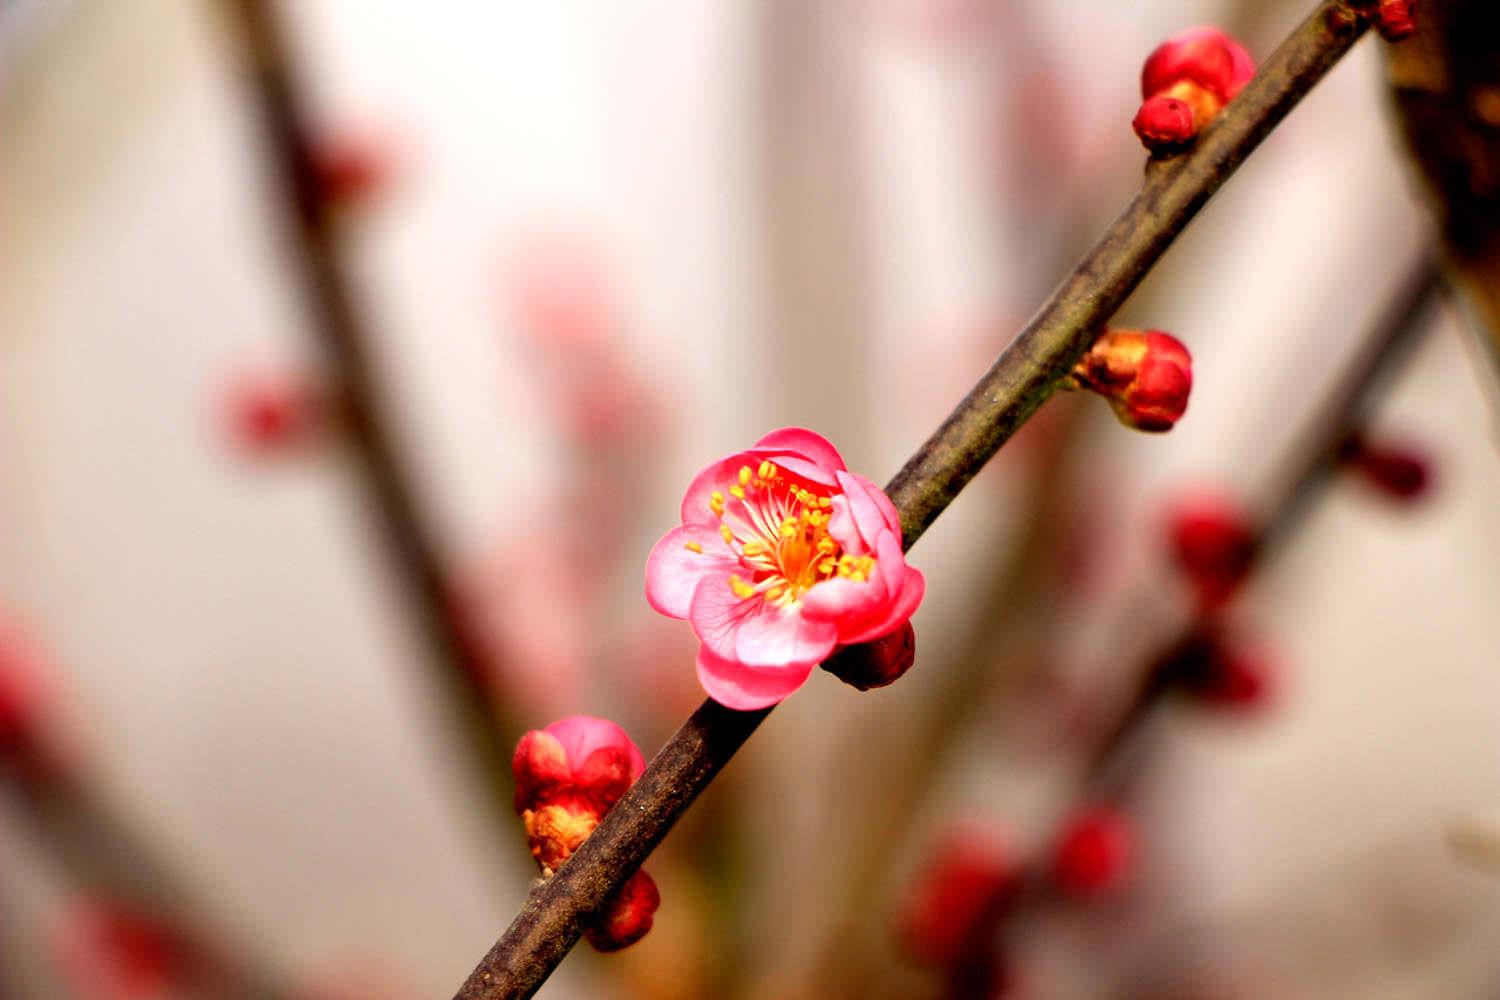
[[1214, 544], [1396, 20], [627, 916], [1186, 82], [1221, 672], [356, 165], [970, 875], [1402, 472], [877, 663], [1094, 852], [568, 775], [1146, 375]]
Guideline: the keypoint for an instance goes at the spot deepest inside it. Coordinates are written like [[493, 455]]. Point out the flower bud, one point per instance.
[[1214, 544], [107, 948], [269, 411], [1145, 374], [1186, 82], [356, 165], [1402, 472], [971, 873], [1222, 673], [1094, 853], [627, 916], [876, 663], [1396, 20], [568, 775]]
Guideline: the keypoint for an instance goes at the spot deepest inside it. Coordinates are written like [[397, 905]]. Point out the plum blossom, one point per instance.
[[783, 556]]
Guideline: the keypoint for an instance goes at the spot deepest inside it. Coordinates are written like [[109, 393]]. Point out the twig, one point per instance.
[[1025, 375], [1110, 759], [310, 222]]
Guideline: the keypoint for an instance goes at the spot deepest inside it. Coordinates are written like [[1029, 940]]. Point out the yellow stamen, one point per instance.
[[716, 503], [724, 530], [744, 475], [741, 589], [754, 548], [693, 547], [766, 470], [737, 492]]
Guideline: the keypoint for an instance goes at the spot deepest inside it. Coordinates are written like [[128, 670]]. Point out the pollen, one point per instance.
[[780, 529], [693, 547]]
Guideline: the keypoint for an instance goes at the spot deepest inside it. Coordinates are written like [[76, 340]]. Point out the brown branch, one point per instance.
[[1025, 375], [1111, 758], [311, 226]]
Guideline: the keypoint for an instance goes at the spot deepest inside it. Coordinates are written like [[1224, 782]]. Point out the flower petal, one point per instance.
[[867, 509], [913, 589], [801, 441], [719, 476], [737, 686], [753, 632], [673, 571], [780, 637]]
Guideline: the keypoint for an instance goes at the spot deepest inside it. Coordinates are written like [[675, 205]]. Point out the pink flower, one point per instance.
[[783, 555]]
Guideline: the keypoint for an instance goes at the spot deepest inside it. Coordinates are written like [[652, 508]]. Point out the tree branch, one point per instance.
[[1020, 381], [311, 226]]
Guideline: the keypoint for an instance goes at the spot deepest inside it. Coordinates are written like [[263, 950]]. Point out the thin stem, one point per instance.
[[311, 226], [1021, 380], [1113, 755]]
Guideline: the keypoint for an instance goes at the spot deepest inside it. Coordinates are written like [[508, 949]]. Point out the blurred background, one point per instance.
[[594, 246]]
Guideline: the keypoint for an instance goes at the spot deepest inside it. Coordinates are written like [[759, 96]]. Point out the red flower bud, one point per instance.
[[1164, 122], [267, 411], [1201, 69], [1214, 544], [876, 663], [1400, 471], [627, 916], [1094, 852], [356, 166], [111, 951], [1219, 672], [1146, 376], [1396, 20], [971, 873], [568, 776]]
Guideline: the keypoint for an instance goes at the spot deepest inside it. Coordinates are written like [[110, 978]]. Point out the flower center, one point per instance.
[[779, 529]]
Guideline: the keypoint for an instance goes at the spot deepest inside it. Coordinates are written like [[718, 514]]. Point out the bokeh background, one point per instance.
[[605, 242]]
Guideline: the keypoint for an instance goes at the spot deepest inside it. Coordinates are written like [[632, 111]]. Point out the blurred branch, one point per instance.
[[1110, 760], [104, 857], [1021, 380], [311, 225]]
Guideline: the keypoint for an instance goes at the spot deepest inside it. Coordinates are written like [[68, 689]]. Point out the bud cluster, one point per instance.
[[568, 776], [1186, 82]]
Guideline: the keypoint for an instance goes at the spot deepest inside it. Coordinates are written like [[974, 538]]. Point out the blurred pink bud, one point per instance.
[[24, 696], [357, 165], [1145, 374], [1400, 471], [627, 916], [1094, 852], [1214, 544], [270, 412], [876, 663], [782, 555], [1222, 672], [970, 874], [1195, 72], [110, 951]]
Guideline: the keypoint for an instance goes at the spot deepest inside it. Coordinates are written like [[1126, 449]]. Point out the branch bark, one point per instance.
[[1027, 373]]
